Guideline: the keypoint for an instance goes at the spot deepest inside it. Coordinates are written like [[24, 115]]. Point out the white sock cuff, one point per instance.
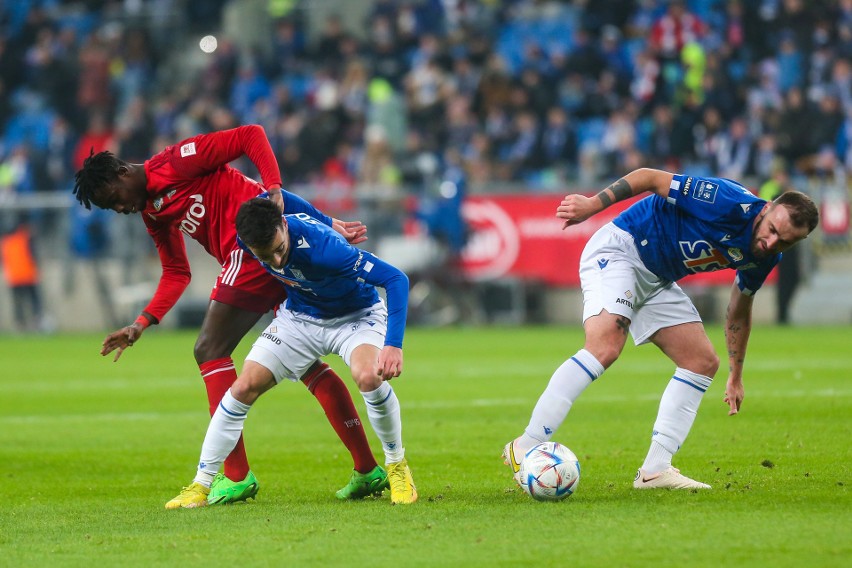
[[233, 406], [696, 381], [378, 396], [588, 363]]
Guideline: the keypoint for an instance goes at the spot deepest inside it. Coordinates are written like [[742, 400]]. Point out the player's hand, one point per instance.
[[120, 340], [276, 197], [734, 394], [577, 208], [389, 363], [353, 231]]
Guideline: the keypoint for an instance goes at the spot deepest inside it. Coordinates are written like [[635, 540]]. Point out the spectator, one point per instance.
[[21, 273]]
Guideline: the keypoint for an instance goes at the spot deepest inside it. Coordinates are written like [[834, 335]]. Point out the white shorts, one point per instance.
[[614, 279], [294, 341]]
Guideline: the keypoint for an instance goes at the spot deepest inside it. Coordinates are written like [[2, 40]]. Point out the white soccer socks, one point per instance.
[[678, 408], [566, 385], [224, 430], [383, 412]]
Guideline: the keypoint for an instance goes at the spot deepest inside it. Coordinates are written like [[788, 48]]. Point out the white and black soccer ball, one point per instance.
[[550, 472]]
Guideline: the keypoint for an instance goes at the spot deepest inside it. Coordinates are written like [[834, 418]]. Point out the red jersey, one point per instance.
[[193, 190]]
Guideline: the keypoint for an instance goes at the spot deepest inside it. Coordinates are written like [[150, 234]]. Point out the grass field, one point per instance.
[[91, 450]]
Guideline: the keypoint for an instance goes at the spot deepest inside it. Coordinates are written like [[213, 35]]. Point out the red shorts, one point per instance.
[[243, 283]]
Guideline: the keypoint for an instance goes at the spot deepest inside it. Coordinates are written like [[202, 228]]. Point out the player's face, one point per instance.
[[121, 196], [275, 255], [774, 232]]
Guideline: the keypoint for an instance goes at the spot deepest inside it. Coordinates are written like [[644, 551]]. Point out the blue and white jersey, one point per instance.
[[326, 277], [705, 224]]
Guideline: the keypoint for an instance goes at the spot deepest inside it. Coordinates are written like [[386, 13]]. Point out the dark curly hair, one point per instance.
[[97, 172], [257, 221]]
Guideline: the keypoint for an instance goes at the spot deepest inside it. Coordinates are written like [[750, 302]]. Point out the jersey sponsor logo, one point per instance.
[[187, 150], [700, 256], [194, 215], [705, 191], [271, 338], [357, 264], [602, 262], [624, 301]]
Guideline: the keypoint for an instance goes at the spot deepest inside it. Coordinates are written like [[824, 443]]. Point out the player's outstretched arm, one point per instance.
[[737, 331], [576, 208], [125, 337]]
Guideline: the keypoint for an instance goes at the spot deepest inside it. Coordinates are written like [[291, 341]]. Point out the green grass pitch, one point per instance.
[[91, 450]]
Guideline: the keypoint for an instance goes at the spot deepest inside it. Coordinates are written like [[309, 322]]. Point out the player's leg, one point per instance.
[[223, 328], [606, 335], [610, 272], [383, 411], [688, 346], [367, 478], [225, 429]]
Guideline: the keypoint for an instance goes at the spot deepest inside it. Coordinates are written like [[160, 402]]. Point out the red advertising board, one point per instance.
[[520, 236]]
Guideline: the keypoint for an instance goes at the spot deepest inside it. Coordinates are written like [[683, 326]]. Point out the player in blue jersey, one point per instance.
[[628, 271], [332, 307]]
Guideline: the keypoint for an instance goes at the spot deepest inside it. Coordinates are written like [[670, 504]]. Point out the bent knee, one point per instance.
[[704, 364], [208, 349], [366, 379], [605, 354], [710, 364]]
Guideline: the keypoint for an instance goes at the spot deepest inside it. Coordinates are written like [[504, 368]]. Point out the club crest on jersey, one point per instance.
[[158, 204], [735, 254], [297, 273], [705, 191], [187, 150]]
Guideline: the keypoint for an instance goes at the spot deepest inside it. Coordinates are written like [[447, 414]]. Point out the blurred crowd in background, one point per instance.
[[533, 92], [514, 95]]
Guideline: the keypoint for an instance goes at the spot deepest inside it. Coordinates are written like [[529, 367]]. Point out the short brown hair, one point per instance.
[[803, 211]]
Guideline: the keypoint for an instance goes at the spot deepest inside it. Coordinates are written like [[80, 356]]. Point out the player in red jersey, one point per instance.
[[189, 188]]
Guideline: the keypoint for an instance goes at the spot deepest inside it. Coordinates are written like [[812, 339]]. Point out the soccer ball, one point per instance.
[[550, 472]]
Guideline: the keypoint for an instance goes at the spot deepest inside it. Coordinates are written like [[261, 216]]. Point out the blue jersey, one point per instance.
[[326, 277], [705, 224]]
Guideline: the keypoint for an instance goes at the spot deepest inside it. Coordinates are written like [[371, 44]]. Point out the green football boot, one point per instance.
[[365, 484], [223, 491]]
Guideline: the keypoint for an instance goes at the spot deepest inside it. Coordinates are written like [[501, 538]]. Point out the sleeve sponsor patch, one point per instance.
[[705, 191], [187, 150]]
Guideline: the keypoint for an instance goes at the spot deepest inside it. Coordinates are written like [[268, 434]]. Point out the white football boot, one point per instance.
[[670, 478]]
